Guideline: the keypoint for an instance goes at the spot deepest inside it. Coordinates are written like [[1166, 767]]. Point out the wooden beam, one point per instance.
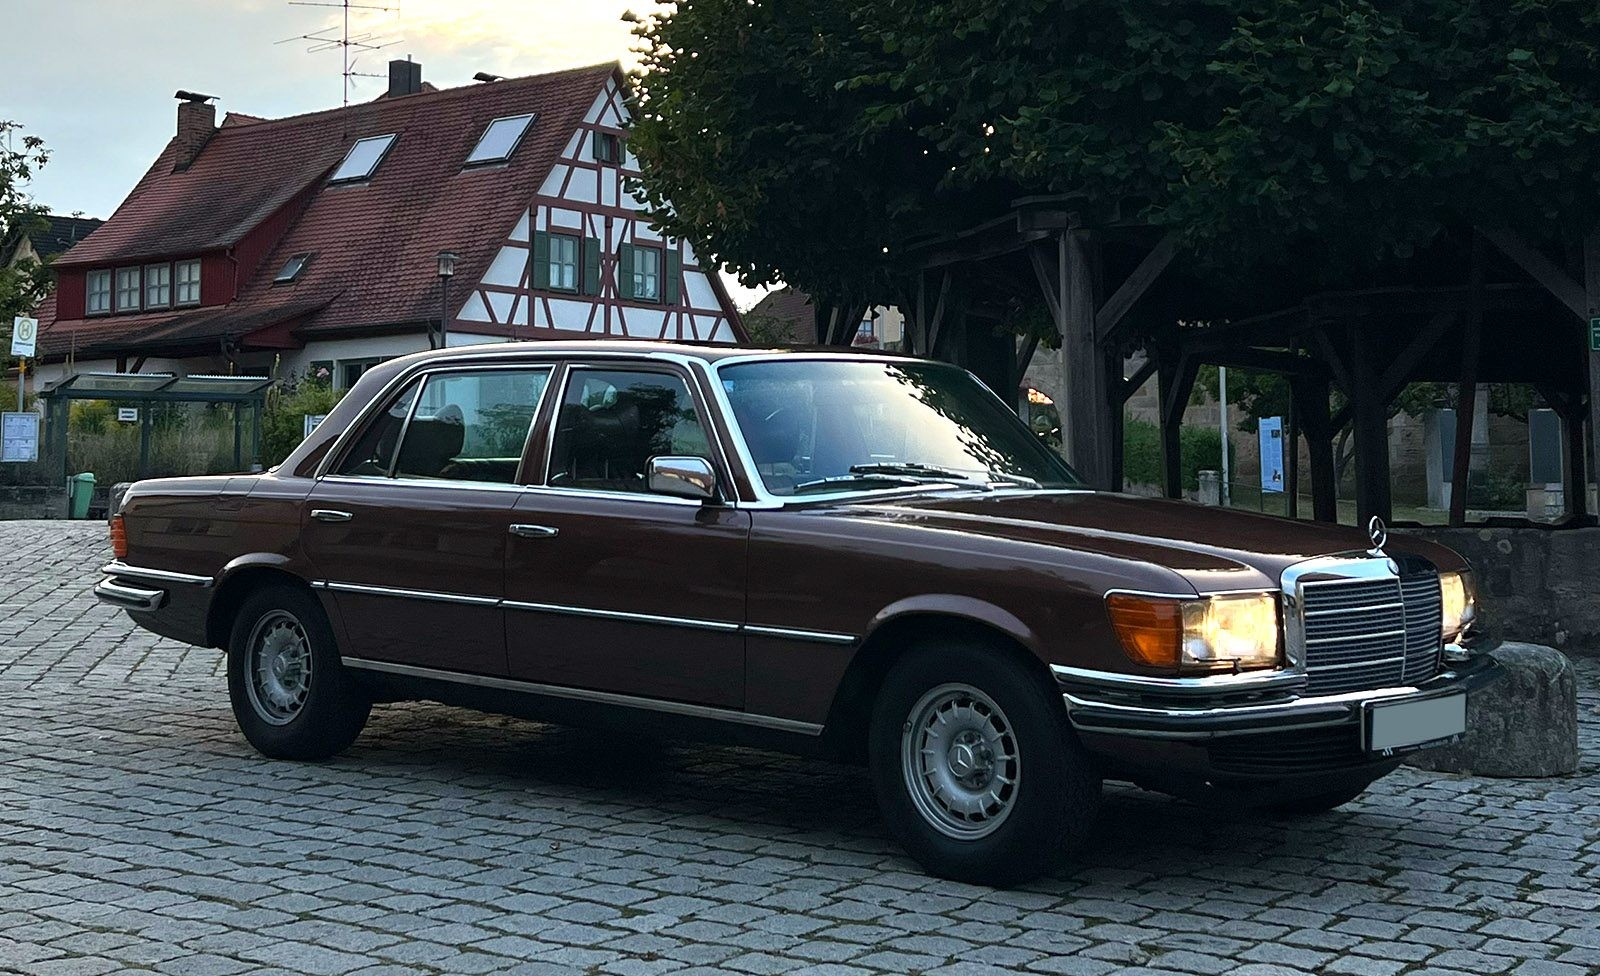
[[1088, 418], [1466, 397], [1269, 360], [1177, 382], [1399, 369], [1131, 384], [1591, 277], [1112, 313], [1541, 269], [936, 323], [1025, 351], [1342, 374], [1371, 415], [1046, 273]]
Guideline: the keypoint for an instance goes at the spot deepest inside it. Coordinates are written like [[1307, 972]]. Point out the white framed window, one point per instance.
[[291, 268], [362, 159], [157, 285], [97, 293], [499, 140], [128, 287], [564, 262], [645, 272], [186, 275]]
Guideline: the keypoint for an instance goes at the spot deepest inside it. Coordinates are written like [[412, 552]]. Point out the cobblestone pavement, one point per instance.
[[138, 832]]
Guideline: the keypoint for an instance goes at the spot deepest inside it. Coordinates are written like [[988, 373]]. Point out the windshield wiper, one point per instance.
[[1019, 480], [862, 478], [913, 469]]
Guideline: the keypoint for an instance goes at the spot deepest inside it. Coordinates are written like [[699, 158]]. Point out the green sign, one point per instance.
[[1594, 335]]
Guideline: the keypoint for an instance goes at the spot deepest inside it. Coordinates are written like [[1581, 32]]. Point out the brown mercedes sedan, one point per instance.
[[861, 556]]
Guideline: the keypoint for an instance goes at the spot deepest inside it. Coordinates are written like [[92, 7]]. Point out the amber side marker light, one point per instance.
[[1151, 630], [119, 538]]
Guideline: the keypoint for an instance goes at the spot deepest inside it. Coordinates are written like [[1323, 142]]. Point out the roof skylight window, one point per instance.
[[292, 268], [362, 159], [499, 140]]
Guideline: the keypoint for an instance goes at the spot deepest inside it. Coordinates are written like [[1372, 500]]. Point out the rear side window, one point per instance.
[[372, 455], [612, 422], [471, 426]]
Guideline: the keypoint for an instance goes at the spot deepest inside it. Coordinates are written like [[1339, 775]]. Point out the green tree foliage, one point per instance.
[[1279, 138], [1200, 449], [283, 420], [24, 284]]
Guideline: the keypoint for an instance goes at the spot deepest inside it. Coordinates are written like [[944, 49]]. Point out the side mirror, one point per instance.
[[683, 477]]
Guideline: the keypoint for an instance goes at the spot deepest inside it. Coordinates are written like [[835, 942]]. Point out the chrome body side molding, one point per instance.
[[583, 694], [118, 568]]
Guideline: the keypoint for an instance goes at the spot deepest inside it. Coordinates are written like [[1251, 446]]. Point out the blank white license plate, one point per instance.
[[1416, 722]]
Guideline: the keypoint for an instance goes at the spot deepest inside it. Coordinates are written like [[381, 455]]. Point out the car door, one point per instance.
[[608, 586], [408, 532]]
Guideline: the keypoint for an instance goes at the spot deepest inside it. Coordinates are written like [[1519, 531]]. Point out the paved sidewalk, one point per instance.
[[138, 832]]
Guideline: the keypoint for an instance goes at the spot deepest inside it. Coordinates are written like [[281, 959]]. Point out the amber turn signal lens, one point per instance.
[[1151, 629], [119, 538]]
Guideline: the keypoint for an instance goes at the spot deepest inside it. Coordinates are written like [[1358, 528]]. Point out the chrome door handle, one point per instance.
[[329, 515], [534, 531]]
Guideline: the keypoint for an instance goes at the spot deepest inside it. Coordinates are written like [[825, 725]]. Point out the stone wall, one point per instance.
[[33, 502], [1535, 585]]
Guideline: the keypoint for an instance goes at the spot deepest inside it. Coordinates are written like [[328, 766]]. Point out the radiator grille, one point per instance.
[[1370, 633]]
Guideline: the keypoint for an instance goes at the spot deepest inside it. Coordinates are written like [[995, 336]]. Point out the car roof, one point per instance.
[[705, 351]]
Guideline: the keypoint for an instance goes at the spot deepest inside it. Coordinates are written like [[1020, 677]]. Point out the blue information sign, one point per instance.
[[1271, 433]]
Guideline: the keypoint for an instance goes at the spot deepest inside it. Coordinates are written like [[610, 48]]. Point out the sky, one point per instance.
[[95, 78]]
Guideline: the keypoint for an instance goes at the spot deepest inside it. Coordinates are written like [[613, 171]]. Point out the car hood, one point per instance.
[[1211, 548]]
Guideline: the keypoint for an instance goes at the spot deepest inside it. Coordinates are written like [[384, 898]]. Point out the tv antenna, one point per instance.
[[338, 37]]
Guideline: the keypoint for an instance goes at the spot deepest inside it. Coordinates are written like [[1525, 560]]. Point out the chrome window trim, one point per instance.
[[685, 372], [118, 568], [584, 694], [420, 373], [448, 484]]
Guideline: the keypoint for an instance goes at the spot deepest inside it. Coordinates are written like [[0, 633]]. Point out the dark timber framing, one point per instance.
[[1118, 317]]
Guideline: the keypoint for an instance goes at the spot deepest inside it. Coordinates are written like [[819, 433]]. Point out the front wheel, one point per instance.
[[976, 771], [291, 696]]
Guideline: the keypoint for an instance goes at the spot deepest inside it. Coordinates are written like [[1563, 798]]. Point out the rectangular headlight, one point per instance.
[[1459, 603], [1218, 633]]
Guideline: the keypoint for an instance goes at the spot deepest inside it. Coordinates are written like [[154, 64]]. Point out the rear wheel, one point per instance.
[[291, 696], [976, 771]]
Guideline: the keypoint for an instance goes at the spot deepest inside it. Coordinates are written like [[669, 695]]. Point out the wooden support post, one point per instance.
[[1116, 404], [1312, 416], [1176, 382], [1577, 488], [144, 439], [1291, 460], [1087, 426], [1466, 398]]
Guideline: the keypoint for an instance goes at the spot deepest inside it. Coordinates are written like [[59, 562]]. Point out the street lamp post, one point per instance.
[[447, 270]]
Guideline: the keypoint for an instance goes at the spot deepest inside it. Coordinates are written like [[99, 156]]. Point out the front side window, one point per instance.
[[127, 289], [372, 454], [471, 426], [644, 273], [97, 292], [157, 285], [612, 422], [564, 262], [815, 425], [186, 275]]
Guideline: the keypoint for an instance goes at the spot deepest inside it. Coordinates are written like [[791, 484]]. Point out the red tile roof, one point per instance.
[[374, 242]]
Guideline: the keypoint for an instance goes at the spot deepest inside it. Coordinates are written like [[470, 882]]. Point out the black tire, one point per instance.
[[1314, 805], [328, 713], [1049, 809]]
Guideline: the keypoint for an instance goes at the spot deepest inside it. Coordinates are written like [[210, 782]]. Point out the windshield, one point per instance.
[[815, 425]]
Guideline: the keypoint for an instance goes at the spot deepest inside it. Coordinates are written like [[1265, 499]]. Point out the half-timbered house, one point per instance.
[[312, 243]]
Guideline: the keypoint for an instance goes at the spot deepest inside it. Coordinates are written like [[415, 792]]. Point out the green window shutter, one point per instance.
[[541, 259], [591, 266], [673, 271], [625, 271]]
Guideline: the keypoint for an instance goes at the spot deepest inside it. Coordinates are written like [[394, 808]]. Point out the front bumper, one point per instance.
[[1152, 712]]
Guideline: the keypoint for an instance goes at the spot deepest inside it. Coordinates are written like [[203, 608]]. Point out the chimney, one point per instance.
[[197, 120], [405, 78]]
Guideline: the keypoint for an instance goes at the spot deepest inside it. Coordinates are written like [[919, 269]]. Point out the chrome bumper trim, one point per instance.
[[1139, 719], [118, 568], [1206, 685], [588, 695], [128, 597]]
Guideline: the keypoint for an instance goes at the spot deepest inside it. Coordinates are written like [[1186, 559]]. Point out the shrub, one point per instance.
[[283, 420], [1200, 449]]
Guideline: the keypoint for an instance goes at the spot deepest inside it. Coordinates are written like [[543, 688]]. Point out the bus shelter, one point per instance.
[[144, 390]]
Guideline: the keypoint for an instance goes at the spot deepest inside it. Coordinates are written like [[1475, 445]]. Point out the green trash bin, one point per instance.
[[80, 488]]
